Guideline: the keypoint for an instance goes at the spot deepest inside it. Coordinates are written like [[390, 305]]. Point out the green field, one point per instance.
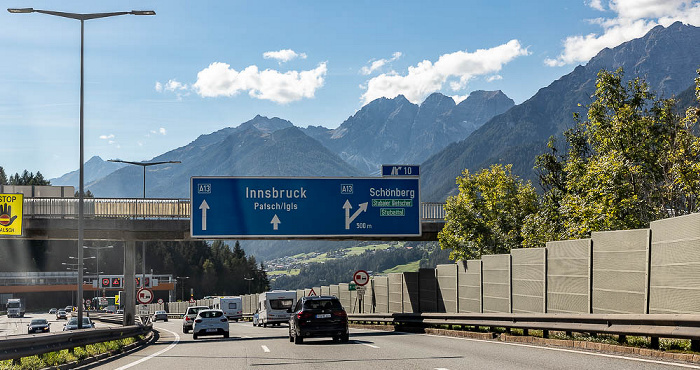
[[306, 258], [409, 267]]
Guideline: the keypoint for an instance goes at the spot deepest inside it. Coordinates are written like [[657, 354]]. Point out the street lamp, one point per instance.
[[82, 18], [248, 280], [98, 249], [144, 165], [182, 289]]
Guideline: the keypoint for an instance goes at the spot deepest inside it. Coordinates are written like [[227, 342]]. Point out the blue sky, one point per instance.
[[153, 84]]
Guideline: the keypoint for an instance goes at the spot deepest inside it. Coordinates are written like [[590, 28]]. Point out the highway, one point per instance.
[[17, 326], [253, 347]]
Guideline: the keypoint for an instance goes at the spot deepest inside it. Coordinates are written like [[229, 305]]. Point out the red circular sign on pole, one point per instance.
[[360, 277], [192, 300], [144, 296]]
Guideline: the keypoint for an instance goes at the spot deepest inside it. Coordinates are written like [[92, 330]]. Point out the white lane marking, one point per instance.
[[246, 336], [369, 345], [265, 349], [441, 368], [574, 351], [168, 348]]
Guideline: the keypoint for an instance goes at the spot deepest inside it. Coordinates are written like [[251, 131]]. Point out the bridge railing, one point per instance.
[[107, 208], [133, 208]]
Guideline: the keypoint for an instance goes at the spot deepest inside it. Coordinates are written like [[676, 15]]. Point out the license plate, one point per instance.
[[211, 330], [323, 316]]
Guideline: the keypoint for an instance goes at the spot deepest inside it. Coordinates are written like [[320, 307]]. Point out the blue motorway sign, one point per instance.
[[230, 207]]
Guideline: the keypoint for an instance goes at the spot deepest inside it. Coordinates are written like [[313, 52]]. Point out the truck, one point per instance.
[[275, 307], [232, 307], [15, 307]]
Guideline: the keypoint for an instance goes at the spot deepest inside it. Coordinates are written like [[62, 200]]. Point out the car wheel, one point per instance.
[[226, 335], [166, 320], [264, 325], [194, 335], [298, 339], [184, 330], [291, 338], [345, 338]]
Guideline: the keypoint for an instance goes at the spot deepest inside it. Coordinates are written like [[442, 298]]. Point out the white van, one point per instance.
[[275, 307], [232, 307]]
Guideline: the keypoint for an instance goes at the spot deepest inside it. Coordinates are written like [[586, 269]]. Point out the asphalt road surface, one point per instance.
[[269, 348], [15, 326]]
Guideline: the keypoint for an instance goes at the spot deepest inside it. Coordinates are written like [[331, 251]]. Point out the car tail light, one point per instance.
[[224, 319], [340, 313], [304, 315], [187, 318], [198, 320]]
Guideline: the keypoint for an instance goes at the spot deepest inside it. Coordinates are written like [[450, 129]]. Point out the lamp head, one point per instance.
[[21, 10]]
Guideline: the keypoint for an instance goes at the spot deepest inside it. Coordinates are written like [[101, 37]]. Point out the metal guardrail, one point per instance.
[[36, 344], [134, 208], [650, 325]]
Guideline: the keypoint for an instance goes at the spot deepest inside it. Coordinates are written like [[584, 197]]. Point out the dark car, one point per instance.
[[321, 316], [38, 326]]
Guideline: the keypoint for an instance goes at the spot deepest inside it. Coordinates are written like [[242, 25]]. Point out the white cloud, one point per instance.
[[456, 69], [173, 86], [376, 64], [219, 79], [633, 19], [494, 78], [283, 56], [162, 131], [596, 4], [106, 137]]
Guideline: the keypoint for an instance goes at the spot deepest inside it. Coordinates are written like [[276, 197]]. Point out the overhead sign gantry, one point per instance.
[[301, 207]]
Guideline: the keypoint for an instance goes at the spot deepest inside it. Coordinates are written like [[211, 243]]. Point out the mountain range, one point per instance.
[[666, 58], [443, 137]]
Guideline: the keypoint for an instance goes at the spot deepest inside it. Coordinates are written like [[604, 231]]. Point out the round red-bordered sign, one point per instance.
[[144, 296], [360, 277]]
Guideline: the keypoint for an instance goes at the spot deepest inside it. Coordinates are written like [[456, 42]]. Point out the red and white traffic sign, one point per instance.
[[160, 300], [360, 277], [144, 296], [192, 300]]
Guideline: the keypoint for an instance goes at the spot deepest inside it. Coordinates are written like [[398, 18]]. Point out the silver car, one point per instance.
[[72, 324], [210, 322], [160, 315]]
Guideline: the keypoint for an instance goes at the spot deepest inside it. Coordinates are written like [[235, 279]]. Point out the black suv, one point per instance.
[[321, 316]]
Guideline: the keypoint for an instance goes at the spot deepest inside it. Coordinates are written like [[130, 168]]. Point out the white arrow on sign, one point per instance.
[[349, 219], [275, 222], [204, 207]]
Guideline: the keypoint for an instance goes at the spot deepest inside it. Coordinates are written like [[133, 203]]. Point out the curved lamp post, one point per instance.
[[82, 17]]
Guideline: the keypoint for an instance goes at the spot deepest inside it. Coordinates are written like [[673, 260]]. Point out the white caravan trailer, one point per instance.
[[275, 307], [232, 307]]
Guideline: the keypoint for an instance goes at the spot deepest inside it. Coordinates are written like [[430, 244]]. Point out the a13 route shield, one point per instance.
[[229, 207]]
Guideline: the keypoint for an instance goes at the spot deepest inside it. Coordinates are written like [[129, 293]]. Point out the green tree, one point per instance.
[[3, 176], [632, 161], [487, 215]]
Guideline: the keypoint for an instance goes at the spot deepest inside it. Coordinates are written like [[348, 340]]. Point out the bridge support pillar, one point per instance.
[[129, 296]]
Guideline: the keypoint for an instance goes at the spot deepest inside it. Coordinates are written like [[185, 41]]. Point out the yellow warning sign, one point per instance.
[[11, 214]]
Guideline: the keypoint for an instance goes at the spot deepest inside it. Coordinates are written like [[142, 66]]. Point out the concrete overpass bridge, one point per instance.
[[132, 219]]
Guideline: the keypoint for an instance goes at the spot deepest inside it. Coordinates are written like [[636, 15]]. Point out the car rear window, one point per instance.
[[323, 304], [210, 314]]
